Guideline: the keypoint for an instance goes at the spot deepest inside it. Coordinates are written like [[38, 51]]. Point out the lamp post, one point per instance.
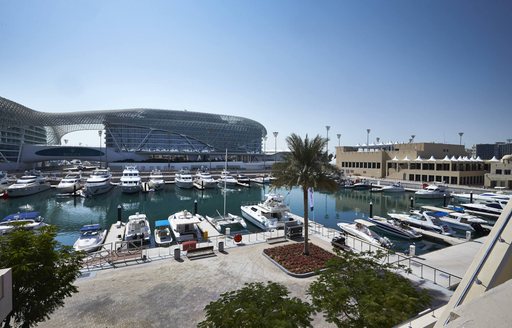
[[327, 127], [275, 145], [264, 152], [460, 140], [339, 137], [100, 133], [367, 139]]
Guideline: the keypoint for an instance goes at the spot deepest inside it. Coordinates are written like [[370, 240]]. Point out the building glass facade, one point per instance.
[[131, 130]]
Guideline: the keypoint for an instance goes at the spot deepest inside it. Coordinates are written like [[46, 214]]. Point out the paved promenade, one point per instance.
[[167, 293]]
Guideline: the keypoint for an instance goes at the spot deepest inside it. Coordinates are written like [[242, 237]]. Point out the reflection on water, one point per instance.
[[69, 213]]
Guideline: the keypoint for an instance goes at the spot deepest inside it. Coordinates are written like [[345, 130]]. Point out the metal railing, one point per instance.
[[410, 264]]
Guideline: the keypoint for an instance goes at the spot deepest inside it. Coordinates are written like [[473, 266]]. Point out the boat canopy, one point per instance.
[[21, 216], [161, 223], [90, 227]]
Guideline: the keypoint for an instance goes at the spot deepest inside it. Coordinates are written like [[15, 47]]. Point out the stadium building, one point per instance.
[[28, 136]]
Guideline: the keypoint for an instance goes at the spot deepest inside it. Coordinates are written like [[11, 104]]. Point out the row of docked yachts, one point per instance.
[[100, 182], [409, 225]]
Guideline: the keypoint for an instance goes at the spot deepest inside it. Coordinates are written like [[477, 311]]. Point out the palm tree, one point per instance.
[[306, 165]]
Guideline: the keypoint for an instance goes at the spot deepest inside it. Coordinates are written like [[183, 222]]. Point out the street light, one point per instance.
[[460, 140], [368, 139], [327, 127], [339, 137], [100, 133], [264, 152], [275, 145]]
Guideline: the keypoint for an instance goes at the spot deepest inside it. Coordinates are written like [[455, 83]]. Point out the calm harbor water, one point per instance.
[[69, 213]]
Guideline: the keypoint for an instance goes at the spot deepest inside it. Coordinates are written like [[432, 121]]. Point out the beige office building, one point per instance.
[[420, 162], [499, 173]]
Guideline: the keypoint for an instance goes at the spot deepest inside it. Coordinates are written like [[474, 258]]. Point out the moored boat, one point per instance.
[[91, 238], [183, 179], [70, 183], [360, 229], [130, 181], [270, 214], [162, 233], [99, 182], [156, 180], [396, 228], [137, 228], [28, 184], [27, 220], [184, 226], [421, 220], [433, 191]]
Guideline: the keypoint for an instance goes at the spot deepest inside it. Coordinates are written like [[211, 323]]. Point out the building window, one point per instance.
[[498, 171], [507, 172], [378, 165]]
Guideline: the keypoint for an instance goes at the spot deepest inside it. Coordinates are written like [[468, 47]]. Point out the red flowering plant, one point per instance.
[[292, 258]]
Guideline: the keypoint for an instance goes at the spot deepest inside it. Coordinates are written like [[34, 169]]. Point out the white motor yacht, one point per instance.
[[204, 179], [156, 179], [396, 228], [28, 184], [99, 182], [163, 236], [268, 215], [432, 191], [183, 179], [395, 187], [91, 238], [494, 208], [485, 197], [360, 229], [184, 226], [137, 228], [130, 180], [29, 220], [423, 221], [227, 180], [70, 183], [455, 222]]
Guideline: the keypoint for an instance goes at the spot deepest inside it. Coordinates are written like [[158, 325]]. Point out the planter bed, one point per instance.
[[290, 257]]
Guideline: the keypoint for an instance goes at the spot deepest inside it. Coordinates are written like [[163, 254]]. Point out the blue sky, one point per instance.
[[429, 68]]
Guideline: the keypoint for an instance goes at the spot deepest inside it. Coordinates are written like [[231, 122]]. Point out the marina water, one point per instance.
[[71, 213]]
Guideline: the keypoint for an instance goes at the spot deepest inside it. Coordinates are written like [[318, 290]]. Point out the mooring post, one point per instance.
[[195, 207], [371, 210]]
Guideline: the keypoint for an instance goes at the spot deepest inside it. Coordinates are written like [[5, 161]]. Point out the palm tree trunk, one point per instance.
[[306, 221]]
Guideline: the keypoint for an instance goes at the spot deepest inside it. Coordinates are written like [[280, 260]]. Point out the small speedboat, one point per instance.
[[396, 228], [28, 221], [424, 221], [162, 233], [91, 238], [360, 229]]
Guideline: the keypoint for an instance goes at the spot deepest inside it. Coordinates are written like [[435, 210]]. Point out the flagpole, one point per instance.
[[312, 205]]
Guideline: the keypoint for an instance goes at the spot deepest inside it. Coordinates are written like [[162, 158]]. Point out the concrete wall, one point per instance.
[[5, 293]]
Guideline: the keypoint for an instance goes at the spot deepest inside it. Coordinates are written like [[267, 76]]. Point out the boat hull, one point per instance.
[[27, 191], [184, 184], [97, 189]]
